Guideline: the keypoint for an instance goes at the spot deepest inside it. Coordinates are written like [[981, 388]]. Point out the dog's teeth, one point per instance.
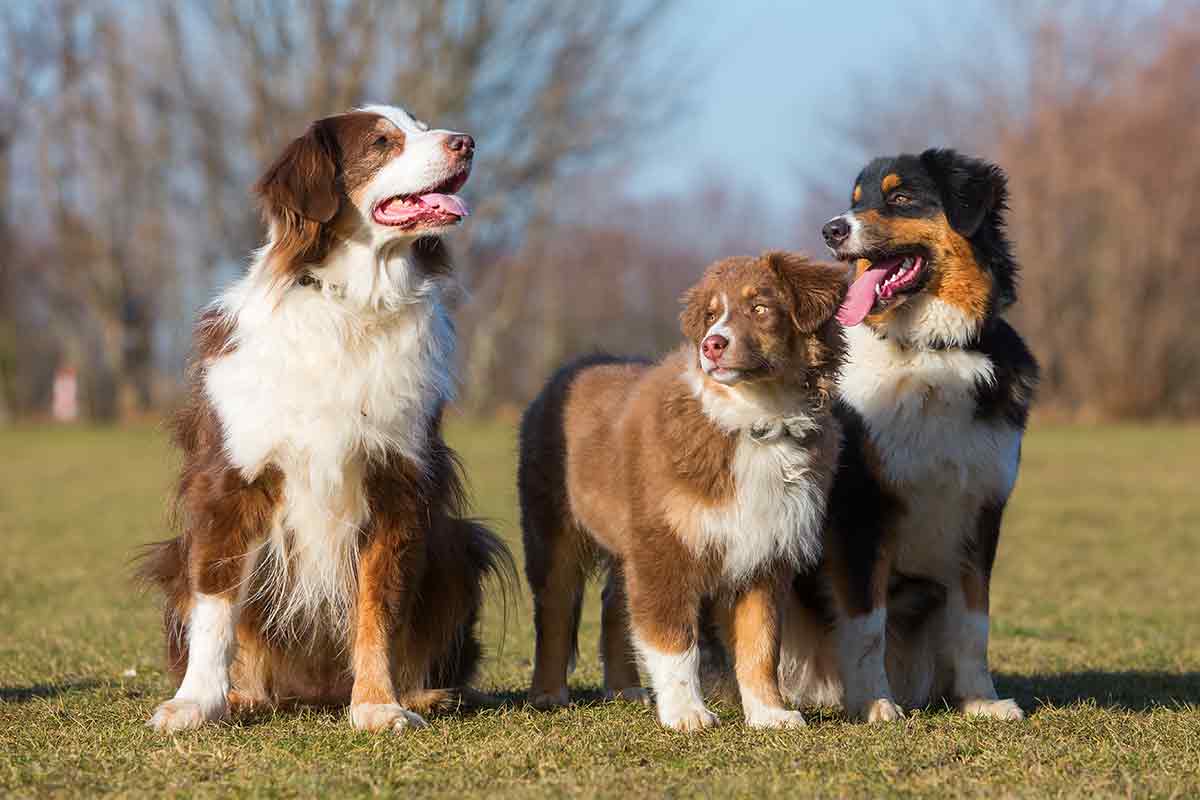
[[907, 262]]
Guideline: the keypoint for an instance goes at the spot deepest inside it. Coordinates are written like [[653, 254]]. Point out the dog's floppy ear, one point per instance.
[[970, 188], [817, 289], [304, 179], [691, 319]]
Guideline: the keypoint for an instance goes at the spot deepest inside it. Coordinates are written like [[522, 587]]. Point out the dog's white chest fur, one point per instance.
[[778, 510], [318, 391], [781, 483], [919, 410]]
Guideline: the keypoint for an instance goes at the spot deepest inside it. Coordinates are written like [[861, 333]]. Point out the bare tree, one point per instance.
[[1099, 141], [154, 118]]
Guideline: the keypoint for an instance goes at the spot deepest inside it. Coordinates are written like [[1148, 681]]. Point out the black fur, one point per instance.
[[972, 193], [865, 510]]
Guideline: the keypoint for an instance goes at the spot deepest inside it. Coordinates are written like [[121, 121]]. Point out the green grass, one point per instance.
[[1095, 633]]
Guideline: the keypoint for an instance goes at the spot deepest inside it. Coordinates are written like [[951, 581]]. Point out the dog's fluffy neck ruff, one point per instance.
[[929, 323], [323, 383], [763, 411], [369, 277], [781, 468]]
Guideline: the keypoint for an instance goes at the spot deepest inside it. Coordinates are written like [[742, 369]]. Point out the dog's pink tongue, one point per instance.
[[446, 202], [861, 297]]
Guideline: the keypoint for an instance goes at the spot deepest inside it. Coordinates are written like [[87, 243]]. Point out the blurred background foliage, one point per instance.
[[131, 131]]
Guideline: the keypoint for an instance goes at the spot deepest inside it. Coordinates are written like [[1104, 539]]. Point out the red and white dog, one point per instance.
[[322, 556]]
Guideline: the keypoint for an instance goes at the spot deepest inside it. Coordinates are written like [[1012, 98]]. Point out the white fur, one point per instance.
[[317, 389], [760, 715], [919, 409], [968, 630], [384, 717], [964, 654], [320, 382], [924, 320], [854, 242], [781, 482], [212, 645], [861, 642], [424, 163], [719, 328], [675, 678]]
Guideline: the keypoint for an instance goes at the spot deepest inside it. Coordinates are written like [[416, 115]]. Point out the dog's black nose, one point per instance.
[[460, 144], [836, 231]]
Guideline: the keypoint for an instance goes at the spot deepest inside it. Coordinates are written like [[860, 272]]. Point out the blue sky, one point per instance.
[[776, 77]]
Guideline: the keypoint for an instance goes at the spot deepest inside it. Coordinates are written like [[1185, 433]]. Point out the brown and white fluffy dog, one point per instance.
[[701, 480], [933, 399], [322, 556]]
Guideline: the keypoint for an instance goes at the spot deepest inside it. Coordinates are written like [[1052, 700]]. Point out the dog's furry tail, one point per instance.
[[163, 565]]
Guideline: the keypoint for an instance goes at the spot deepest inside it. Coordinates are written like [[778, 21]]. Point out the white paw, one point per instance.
[[182, 715], [775, 718], [882, 709], [383, 716], [630, 694], [548, 700], [993, 709], [687, 718]]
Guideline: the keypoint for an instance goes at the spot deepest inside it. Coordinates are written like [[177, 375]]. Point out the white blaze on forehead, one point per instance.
[[398, 117], [718, 328]]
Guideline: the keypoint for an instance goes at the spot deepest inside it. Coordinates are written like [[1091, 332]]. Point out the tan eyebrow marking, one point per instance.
[[712, 303], [748, 291], [857, 192], [890, 181]]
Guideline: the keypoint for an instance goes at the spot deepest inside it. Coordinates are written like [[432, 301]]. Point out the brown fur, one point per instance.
[[421, 565], [959, 279], [303, 191], [618, 456], [420, 574]]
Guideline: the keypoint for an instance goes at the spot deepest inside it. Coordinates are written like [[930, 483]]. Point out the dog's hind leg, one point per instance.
[[621, 681], [557, 573]]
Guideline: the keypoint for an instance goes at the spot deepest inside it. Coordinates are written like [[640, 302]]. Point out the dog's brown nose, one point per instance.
[[713, 347], [460, 145]]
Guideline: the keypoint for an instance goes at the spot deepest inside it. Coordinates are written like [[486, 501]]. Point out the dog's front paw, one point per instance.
[[630, 694], [377, 717], [182, 715], [882, 709], [547, 700], [993, 709], [687, 718], [775, 718]]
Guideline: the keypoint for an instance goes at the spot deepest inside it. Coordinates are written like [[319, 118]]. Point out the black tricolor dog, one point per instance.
[[934, 399]]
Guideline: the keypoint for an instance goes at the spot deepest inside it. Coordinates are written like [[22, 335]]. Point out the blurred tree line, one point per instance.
[[130, 131]]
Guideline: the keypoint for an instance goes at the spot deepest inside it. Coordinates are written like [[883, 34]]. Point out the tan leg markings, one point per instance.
[[373, 703], [754, 629]]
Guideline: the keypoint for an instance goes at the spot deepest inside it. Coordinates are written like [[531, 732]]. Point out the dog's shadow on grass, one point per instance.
[[1127, 690], [46, 691]]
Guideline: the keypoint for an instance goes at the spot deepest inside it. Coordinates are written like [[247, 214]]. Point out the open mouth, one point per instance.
[[434, 207], [887, 282], [725, 375]]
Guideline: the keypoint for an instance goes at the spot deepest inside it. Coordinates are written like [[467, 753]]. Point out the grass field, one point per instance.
[[1096, 633]]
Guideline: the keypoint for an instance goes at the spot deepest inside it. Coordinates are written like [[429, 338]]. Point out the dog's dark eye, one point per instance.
[[382, 141], [760, 309], [899, 199], [710, 316]]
